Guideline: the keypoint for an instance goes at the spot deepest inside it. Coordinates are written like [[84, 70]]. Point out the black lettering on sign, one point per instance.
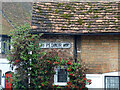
[[48, 45], [55, 45], [65, 45], [59, 45], [43, 45]]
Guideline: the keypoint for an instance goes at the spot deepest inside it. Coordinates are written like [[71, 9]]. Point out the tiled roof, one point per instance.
[[14, 13], [75, 17]]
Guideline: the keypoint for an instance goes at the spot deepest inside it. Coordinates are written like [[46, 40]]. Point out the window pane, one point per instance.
[[62, 75], [4, 45], [112, 82]]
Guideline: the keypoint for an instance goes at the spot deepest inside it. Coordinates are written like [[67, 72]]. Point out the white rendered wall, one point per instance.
[[5, 67], [98, 79]]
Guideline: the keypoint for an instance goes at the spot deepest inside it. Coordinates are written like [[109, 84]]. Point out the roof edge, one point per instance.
[[103, 33]]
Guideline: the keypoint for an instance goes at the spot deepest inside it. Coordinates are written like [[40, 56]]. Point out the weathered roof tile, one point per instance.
[[75, 17]]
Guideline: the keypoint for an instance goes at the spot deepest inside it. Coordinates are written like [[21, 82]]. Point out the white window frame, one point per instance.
[[56, 78], [0, 77], [0, 44]]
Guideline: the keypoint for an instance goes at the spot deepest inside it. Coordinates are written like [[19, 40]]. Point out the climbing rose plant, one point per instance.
[[35, 68]]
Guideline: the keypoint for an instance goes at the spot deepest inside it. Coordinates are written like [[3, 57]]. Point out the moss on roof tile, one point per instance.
[[79, 17]]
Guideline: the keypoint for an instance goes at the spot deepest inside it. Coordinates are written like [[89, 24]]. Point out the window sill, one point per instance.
[[2, 55], [60, 84]]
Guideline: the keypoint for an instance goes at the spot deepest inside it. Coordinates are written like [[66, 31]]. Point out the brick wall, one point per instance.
[[100, 53], [65, 53]]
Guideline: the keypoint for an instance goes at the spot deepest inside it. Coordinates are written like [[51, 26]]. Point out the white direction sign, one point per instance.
[[55, 44]]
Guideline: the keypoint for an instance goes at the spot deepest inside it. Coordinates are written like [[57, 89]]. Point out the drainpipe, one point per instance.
[[75, 48]]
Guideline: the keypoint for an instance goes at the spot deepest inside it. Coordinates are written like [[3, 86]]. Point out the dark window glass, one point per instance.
[[4, 46], [62, 75], [112, 82]]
